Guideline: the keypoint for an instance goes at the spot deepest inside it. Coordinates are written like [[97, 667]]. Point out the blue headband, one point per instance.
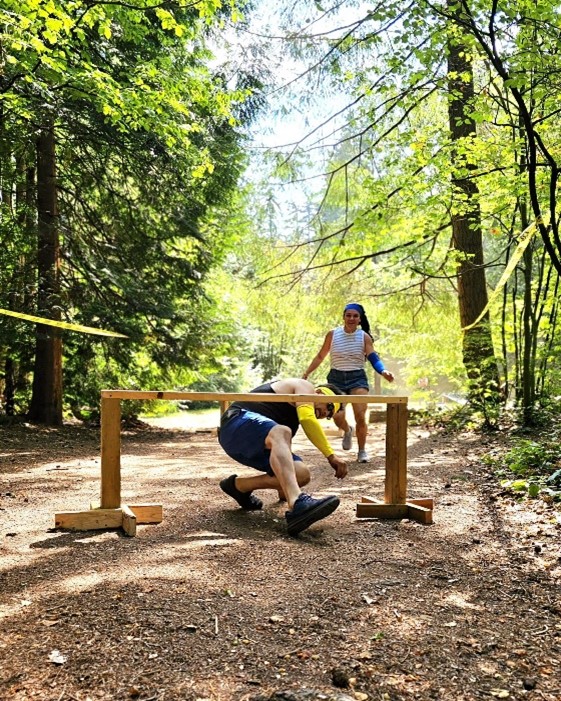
[[356, 307]]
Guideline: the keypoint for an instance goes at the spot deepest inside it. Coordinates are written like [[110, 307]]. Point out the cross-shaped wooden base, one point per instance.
[[126, 517], [416, 509]]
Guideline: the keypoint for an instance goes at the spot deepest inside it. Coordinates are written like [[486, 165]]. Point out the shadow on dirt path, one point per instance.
[[215, 603]]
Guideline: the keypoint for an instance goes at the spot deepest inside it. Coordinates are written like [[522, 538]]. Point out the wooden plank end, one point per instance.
[[380, 510], [128, 521], [420, 514], [147, 513], [89, 520]]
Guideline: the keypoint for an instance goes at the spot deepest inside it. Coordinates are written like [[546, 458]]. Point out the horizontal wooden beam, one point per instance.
[[381, 510], [250, 397], [425, 503]]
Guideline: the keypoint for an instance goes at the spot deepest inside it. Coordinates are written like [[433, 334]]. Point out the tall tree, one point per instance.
[[479, 356], [46, 399], [386, 146], [519, 38], [141, 125]]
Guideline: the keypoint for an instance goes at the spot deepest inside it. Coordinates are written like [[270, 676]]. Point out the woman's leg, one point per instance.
[[360, 418], [340, 420], [337, 378]]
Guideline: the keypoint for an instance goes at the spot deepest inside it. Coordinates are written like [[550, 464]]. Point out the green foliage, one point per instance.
[[383, 217], [531, 457], [218, 382], [148, 158], [207, 282], [531, 468]]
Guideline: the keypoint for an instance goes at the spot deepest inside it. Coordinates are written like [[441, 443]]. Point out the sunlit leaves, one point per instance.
[[146, 148], [49, 43]]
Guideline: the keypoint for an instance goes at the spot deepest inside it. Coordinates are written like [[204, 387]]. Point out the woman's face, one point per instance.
[[351, 318]]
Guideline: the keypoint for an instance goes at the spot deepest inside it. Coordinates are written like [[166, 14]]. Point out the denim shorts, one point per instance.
[[347, 380], [243, 438]]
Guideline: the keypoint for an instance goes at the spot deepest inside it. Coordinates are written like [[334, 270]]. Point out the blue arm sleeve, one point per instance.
[[376, 363]]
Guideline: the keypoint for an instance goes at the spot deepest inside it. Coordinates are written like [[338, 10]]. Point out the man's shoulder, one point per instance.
[[293, 385]]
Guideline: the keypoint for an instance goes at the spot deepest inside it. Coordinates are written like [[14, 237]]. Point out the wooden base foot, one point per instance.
[[417, 509], [127, 516]]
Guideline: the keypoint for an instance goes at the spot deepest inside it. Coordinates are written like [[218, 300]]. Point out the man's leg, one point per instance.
[[279, 442], [264, 481], [303, 477], [289, 475], [304, 510]]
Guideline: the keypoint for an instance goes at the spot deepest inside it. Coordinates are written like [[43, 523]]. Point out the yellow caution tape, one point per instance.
[[61, 324], [525, 238]]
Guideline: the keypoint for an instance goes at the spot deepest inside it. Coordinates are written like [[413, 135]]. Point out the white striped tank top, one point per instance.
[[347, 349]]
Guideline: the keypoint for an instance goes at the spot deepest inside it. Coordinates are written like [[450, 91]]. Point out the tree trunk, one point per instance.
[[46, 399], [9, 387], [530, 328], [478, 353]]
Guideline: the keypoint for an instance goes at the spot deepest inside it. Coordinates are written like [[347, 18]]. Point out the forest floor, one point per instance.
[[216, 604]]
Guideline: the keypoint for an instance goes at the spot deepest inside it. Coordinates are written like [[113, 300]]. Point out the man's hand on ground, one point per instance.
[[340, 466]]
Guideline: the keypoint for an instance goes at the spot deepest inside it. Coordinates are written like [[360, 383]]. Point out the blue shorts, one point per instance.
[[347, 380], [243, 439]]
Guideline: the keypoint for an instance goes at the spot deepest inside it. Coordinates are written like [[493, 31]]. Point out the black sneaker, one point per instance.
[[247, 500], [307, 510]]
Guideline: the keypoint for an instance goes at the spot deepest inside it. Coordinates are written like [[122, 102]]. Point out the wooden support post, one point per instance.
[[396, 454], [110, 513], [395, 504], [110, 453]]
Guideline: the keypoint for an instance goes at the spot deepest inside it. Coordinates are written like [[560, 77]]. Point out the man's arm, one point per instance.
[[315, 434], [312, 428]]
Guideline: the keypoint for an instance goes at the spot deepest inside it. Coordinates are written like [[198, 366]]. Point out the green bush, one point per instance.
[[531, 468]]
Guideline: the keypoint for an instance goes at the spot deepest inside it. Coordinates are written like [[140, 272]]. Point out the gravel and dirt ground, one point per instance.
[[217, 604]]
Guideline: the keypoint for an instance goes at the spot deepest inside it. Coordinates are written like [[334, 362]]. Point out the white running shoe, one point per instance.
[[348, 439], [363, 456]]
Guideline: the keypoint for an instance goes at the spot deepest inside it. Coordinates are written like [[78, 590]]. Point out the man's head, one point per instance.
[[326, 411]]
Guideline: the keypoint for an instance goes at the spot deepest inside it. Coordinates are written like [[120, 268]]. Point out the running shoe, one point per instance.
[[348, 439], [307, 510], [247, 500]]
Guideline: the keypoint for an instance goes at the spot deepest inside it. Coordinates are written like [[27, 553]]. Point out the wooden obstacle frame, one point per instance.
[[110, 512]]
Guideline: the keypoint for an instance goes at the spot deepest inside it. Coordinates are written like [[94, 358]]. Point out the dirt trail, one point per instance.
[[219, 604]]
